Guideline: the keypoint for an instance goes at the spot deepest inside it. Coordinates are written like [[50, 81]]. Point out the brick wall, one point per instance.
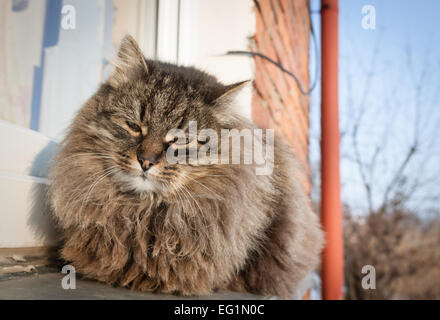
[[282, 33]]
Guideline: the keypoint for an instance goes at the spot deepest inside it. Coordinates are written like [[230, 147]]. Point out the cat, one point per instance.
[[130, 218]]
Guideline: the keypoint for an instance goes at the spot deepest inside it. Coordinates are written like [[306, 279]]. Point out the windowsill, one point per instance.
[[33, 273], [47, 286]]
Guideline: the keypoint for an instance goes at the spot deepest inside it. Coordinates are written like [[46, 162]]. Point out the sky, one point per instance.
[[399, 63]]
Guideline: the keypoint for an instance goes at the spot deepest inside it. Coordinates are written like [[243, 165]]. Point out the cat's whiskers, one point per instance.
[[107, 172], [201, 184], [188, 195], [76, 193], [83, 197], [87, 154], [179, 188], [185, 189]]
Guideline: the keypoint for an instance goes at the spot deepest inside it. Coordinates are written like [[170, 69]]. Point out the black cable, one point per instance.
[[298, 82], [324, 7]]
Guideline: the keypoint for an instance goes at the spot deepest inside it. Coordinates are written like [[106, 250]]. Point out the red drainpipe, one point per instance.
[[331, 209]]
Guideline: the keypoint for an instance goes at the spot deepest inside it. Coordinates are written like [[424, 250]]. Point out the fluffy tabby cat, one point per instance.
[[129, 218]]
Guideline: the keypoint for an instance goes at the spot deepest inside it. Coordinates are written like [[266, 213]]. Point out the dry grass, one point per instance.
[[403, 249]]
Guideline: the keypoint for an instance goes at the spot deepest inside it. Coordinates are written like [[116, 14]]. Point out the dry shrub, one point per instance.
[[403, 249]]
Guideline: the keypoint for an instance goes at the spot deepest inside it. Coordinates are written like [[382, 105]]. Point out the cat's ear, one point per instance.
[[128, 61], [229, 92]]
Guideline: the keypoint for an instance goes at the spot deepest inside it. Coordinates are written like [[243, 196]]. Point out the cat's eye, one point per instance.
[[178, 141], [184, 142], [134, 127], [181, 141]]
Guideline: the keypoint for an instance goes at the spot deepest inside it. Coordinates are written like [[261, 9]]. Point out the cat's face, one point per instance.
[[130, 121]]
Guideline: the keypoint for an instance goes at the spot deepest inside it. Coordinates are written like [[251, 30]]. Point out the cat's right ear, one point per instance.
[[227, 93], [129, 61]]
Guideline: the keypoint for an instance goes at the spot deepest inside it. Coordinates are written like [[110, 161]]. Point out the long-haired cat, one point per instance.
[[131, 218]]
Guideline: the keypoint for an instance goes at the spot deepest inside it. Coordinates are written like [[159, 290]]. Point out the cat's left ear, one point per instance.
[[129, 61], [229, 92]]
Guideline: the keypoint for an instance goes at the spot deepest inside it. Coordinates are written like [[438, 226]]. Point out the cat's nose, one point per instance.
[[147, 160]]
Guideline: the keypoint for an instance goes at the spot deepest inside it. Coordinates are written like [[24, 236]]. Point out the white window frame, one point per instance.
[[167, 30]]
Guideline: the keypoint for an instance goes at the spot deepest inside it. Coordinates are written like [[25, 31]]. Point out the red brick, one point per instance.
[[282, 33], [260, 114]]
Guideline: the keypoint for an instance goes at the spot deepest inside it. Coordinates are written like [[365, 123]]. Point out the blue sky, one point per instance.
[[404, 47]]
